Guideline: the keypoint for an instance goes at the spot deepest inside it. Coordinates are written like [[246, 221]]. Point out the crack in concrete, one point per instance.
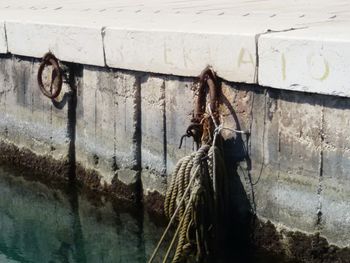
[[165, 154], [115, 103], [320, 185], [263, 143], [137, 122], [270, 31], [7, 44], [103, 33], [256, 72]]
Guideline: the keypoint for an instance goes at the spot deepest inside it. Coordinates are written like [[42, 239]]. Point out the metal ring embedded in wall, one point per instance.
[[56, 76], [199, 127], [207, 84]]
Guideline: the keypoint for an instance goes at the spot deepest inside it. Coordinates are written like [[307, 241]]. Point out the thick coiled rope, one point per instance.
[[190, 202], [180, 182]]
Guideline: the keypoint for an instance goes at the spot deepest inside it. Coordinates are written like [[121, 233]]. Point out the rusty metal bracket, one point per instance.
[[193, 130], [202, 127], [55, 87]]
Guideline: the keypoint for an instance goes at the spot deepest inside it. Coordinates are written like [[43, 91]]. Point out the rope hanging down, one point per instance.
[[195, 198]]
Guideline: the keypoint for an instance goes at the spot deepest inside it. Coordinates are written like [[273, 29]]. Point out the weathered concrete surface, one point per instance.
[[179, 103], [28, 119], [126, 126], [295, 166], [322, 65], [166, 109], [334, 184], [78, 43], [288, 164], [153, 157], [176, 53], [108, 125], [3, 42]]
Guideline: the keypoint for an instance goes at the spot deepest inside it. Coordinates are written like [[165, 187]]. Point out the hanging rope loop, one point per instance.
[[55, 87]]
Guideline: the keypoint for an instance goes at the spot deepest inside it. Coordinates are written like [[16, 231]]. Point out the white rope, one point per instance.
[[217, 131], [219, 128]]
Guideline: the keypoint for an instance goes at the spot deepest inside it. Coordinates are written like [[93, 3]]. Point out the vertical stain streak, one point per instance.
[[124, 92], [163, 90], [263, 143], [115, 104], [50, 120], [32, 90], [6, 39], [103, 33], [256, 71], [75, 72], [320, 184], [249, 146], [95, 119], [266, 97], [137, 136]]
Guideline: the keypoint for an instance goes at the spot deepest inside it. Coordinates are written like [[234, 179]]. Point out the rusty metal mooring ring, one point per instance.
[[207, 83], [51, 92], [201, 127]]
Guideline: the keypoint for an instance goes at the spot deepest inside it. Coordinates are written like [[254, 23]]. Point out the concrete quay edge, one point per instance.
[[309, 54]]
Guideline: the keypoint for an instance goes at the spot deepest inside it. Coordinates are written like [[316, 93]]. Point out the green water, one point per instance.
[[43, 223]]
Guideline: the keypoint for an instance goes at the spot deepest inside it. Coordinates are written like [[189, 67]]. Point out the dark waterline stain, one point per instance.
[[58, 223]]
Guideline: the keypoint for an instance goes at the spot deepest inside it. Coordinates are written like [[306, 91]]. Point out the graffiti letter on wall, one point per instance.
[[283, 58], [318, 67], [245, 57]]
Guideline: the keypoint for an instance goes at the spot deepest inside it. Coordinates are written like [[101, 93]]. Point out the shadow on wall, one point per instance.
[[79, 249], [241, 204], [304, 137], [69, 99]]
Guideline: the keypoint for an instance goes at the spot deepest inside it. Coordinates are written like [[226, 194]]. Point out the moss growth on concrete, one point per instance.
[[51, 170], [296, 245]]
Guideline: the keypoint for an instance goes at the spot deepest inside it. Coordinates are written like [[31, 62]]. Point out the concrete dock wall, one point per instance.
[[127, 125], [27, 118]]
